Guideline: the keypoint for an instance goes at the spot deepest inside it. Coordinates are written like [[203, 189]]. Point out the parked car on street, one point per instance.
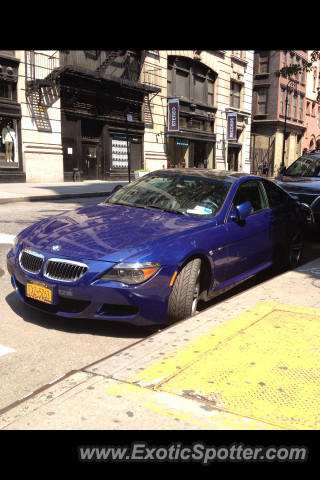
[[153, 249], [302, 179]]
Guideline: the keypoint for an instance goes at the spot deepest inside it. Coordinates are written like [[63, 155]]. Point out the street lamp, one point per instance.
[[292, 83]]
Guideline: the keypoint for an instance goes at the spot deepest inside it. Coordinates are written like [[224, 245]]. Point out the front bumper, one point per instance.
[[90, 297]]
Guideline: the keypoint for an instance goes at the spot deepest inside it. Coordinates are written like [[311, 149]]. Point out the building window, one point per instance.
[[182, 122], [210, 92], [303, 72], [289, 103], [312, 109], [284, 58], [194, 82], [198, 124], [282, 99], [291, 58], [209, 127], [314, 79], [5, 90], [262, 100], [298, 63], [239, 53], [9, 156], [235, 90], [294, 113], [182, 83], [308, 108], [263, 62], [300, 107], [198, 88], [92, 54]]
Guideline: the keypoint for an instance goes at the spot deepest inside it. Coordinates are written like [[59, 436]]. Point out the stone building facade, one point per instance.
[[209, 84], [35, 121], [80, 114]]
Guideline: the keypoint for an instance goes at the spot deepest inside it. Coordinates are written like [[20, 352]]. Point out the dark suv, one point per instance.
[[302, 179]]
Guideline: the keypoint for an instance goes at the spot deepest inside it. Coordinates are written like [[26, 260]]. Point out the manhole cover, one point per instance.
[[316, 283], [2, 272]]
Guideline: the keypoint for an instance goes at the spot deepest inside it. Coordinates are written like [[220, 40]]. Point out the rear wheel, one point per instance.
[[185, 292], [295, 249]]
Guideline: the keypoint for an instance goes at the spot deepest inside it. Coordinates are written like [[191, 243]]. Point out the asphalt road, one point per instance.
[[45, 347]]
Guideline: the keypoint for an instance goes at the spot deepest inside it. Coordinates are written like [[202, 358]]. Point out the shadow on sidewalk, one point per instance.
[[79, 326]]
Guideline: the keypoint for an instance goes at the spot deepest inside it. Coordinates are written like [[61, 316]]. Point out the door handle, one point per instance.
[[272, 221]]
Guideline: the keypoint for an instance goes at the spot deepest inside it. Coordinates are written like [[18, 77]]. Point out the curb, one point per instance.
[[54, 197]]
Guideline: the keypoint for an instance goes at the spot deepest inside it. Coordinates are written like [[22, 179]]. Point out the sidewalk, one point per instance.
[[28, 192], [250, 362]]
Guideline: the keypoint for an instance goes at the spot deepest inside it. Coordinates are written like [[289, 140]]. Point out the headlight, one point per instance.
[[15, 243], [132, 273]]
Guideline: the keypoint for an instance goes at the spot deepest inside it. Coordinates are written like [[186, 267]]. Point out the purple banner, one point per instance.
[[231, 126], [173, 115]]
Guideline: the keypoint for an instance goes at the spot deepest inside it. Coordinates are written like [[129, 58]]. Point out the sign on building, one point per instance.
[[231, 126], [173, 115]]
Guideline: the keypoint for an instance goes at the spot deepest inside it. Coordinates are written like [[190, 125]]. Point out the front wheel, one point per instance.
[[185, 292], [295, 249]]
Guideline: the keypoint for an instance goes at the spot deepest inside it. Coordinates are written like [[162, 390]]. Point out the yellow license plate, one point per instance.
[[40, 291]]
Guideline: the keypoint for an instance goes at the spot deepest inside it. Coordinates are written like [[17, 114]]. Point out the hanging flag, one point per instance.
[[231, 126], [173, 115]]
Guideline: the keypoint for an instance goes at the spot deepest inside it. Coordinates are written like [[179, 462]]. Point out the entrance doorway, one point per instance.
[[200, 154], [233, 159], [91, 161]]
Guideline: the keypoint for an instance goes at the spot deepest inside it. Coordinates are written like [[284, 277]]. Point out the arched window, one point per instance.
[[190, 80]]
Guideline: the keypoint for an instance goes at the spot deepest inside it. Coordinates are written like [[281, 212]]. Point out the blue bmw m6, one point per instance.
[[154, 248]]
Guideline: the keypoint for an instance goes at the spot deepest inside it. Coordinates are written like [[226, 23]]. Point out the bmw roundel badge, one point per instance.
[[55, 248]]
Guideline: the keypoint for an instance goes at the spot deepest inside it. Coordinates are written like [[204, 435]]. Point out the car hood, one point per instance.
[[106, 232], [299, 184]]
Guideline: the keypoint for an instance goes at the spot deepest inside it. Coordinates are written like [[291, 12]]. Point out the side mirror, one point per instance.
[[282, 170], [241, 211], [118, 187]]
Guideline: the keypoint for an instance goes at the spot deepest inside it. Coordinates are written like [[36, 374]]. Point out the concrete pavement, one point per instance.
[[250, 362], [28, 192]]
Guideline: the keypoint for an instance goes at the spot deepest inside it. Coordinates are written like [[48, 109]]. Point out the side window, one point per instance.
[[276, 195], [254, 193]]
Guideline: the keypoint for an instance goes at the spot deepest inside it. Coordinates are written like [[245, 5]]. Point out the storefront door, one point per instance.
[[233, 159], [200, 154], [90, 161]]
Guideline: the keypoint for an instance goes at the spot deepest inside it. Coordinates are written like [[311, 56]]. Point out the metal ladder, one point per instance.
[[110, 56]]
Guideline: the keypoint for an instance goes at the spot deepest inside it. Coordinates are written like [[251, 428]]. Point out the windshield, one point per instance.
[[305, 166], [182, 194]]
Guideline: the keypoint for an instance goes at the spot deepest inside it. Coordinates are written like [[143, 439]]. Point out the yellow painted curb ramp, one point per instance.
[[262, 365]]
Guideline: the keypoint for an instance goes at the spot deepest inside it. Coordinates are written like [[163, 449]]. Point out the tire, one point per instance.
[[185, 292], [295, 249]]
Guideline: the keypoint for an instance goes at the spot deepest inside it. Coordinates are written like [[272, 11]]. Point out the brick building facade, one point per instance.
[[268, 109], [312, 118]]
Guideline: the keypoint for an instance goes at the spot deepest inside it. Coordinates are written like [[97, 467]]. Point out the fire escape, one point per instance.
[[43, 74], [111, 55], [40, 76]]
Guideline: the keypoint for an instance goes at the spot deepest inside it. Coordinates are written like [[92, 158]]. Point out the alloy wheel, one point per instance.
[[296, 249]]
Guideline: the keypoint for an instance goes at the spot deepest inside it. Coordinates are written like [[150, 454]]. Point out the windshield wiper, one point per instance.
[[170, 210], [137, 205]]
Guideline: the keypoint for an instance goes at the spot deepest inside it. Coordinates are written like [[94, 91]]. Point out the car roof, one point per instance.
[[202, 172], [313, 153]]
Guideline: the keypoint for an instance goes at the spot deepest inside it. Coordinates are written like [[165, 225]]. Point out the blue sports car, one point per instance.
[[154, 248]]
